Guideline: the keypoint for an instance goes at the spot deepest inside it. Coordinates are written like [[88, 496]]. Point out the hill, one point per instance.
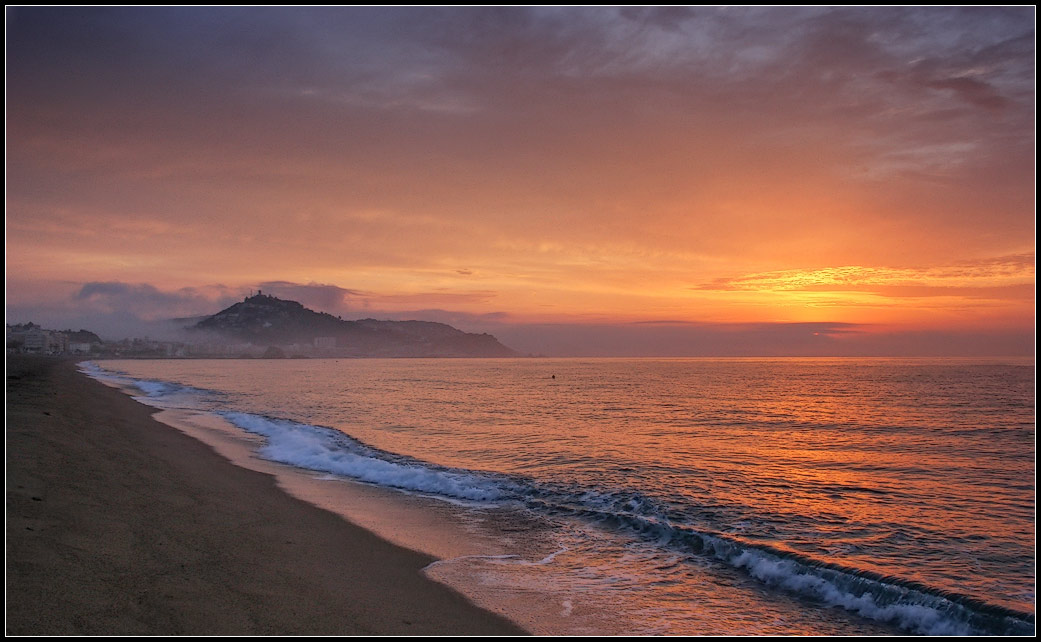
[[265, 320]]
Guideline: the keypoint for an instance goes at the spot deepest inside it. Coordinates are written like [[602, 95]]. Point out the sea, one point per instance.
[[785, 496]]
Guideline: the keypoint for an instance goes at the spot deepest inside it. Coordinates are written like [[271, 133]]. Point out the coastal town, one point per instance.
[[30, 338]]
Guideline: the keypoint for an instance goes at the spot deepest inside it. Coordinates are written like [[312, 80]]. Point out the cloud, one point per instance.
[[396, 306], [665, 339], [146, 302], [667, 18], [117, 310], [318, 296], [973, 91], [999, 277], [181, 145]]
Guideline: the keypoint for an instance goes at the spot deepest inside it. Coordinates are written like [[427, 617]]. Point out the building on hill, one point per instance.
[[324, 342]]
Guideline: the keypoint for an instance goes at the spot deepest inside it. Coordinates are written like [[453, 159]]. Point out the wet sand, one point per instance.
[[119, 524]]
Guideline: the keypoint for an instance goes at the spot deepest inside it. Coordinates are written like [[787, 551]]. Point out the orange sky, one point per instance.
[[868, 169]]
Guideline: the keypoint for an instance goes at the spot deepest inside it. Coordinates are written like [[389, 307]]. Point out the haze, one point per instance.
[[576, 181]]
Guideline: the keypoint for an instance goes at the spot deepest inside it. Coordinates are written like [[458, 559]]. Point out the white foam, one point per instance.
[[545, 560], [790, 575], [321, 449], [328, 451], [94, 371], [154, 388]]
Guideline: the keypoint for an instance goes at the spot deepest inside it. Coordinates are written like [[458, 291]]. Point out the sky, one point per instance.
[[577, 181]]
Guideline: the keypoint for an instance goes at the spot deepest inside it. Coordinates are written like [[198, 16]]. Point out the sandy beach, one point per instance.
[[119, 524]]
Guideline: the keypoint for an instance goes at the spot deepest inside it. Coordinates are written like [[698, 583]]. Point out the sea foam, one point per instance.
[[328, 450]]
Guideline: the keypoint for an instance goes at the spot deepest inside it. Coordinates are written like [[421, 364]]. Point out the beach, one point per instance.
[[620, 497], [119, 524]]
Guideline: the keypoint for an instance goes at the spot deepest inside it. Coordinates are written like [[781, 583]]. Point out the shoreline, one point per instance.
[[120, 524]]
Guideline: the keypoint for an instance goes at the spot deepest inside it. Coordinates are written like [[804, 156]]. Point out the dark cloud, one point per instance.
[[756, 340], [217, 83], [117, 310], [634, 340], [972, 91], [147, 302]]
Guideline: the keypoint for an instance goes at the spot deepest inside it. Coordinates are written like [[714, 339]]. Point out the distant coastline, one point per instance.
[[262, 326]]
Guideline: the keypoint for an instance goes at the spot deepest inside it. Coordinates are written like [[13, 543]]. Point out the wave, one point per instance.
[[156, 389], [331, 451], [910, 605], [153, 390], [905, 603], [93, 370]]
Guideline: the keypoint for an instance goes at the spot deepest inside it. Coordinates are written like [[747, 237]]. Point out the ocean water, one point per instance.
[[672, 496]]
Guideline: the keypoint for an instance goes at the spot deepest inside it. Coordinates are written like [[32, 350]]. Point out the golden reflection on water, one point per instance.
[[916, 470]]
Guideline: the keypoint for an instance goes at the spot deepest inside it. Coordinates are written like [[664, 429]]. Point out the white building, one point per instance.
[[39, 341]]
